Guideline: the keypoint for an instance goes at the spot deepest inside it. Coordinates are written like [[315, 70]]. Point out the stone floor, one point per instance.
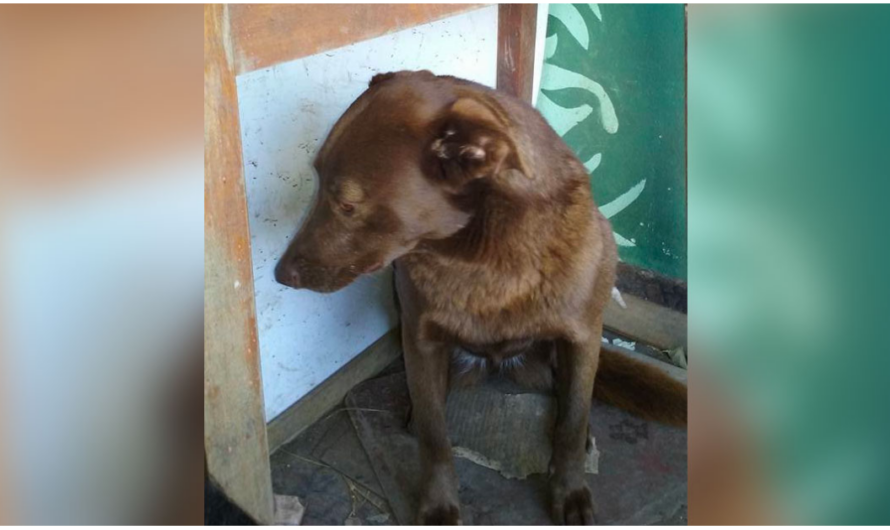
[[641, 477]]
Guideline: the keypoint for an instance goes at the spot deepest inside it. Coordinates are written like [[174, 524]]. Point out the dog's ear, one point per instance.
[[475, 140], [380, 78]]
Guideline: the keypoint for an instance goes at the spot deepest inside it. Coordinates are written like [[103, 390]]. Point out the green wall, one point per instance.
[[613, 86]]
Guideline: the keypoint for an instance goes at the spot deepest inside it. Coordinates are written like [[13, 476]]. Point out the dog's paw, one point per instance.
[[439, 515], [571, 503]]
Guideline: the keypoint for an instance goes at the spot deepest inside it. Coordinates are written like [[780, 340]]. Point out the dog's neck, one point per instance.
[[508, 252], [506, 228]]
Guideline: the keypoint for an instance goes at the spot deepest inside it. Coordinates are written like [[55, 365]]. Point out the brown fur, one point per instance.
[[640, 389], [502, 262]]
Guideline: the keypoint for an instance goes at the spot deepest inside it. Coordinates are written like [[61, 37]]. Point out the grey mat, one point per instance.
[[510, 433], [642, 466]]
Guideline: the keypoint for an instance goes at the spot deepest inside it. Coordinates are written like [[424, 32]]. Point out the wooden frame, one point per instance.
[[239, 39], [235, 447], [264, 35], [516, 49]]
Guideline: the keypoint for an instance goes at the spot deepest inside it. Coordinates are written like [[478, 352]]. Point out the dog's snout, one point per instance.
[[287, 274]]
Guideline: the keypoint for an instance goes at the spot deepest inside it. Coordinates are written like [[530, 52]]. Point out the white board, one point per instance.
[[286, 112]]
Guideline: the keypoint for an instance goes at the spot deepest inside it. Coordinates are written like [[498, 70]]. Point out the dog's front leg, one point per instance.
[[427, 365], [576, 365]]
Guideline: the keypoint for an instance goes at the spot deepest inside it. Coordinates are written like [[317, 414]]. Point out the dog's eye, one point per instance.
[[347, 208]]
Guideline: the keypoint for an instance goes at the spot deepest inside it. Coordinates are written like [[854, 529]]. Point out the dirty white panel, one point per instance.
[[286, 112]]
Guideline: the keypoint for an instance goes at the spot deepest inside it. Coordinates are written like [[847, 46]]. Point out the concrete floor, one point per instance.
[[641, 478], [329, 471]]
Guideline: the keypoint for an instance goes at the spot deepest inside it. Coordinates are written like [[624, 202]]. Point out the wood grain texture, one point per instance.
[[652, 286], [646, 322], [516, 49], [332, 390], [265, 35], [234, 425]]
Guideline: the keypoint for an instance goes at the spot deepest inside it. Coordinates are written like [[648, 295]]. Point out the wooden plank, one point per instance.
[[652, 286], [265, 35], [234, 424], [516, 49], [674, 372], [646, 322], [332, 390]]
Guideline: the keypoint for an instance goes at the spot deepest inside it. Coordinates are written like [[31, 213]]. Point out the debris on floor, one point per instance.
[[288, 510], [632, 346], [616, 295], [678, 356]]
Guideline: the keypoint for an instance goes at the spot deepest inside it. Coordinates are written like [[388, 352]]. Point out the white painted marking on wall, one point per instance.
[[594, 162], [569, 15], [556, 78], [623, 201], [550, 48], [621, 241], [567, 118], [596, 11]]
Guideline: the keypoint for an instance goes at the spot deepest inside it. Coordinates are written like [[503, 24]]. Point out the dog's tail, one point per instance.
[[637, 384]]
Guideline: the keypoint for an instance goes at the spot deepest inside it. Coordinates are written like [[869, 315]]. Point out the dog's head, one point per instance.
[[394, 172]]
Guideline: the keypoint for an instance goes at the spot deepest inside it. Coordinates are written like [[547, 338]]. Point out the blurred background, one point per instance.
[[789, 129], [102, 264]]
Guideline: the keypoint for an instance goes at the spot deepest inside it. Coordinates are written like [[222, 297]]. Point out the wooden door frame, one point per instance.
[[239, 39]]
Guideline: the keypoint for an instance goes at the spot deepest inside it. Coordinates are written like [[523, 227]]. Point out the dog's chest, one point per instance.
[[478, 291], [487, 313]]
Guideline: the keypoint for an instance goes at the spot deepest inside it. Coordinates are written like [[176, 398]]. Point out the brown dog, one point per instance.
[[502, 261]]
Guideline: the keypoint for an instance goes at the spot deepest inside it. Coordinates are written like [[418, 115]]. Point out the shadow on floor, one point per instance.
[[219, 510]]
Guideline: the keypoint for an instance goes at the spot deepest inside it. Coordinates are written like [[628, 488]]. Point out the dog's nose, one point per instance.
[[286, 274]]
